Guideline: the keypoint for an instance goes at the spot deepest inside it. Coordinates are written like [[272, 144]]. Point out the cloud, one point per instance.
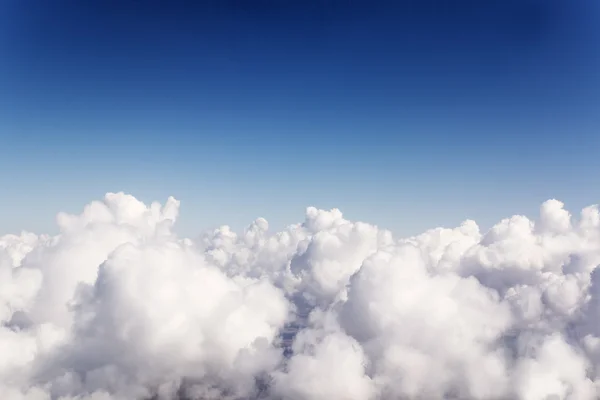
[[117, 307]]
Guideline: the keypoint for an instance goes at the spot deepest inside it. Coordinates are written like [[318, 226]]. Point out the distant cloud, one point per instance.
[[117, 307]]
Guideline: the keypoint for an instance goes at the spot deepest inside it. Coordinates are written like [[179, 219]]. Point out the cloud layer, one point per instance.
[[117, 307]]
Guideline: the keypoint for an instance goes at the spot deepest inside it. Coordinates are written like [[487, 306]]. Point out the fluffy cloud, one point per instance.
[[117, 307]]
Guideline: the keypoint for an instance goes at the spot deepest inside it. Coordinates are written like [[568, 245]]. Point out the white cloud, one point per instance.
[[118, 307]]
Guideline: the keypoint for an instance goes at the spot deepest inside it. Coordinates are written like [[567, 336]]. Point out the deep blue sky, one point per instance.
[[408, 114]]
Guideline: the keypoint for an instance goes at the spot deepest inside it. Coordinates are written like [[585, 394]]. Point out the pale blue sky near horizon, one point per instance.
[[408, 115]]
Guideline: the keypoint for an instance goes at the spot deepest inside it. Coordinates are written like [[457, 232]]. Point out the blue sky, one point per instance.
[[409, 114]]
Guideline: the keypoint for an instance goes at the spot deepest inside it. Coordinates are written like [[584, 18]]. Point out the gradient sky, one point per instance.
[[409, 114]]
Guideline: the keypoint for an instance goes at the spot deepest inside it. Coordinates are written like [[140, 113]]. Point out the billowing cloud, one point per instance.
[[117, 307]]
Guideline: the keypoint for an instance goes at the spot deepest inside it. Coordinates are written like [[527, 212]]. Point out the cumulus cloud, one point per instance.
[[117, 307]]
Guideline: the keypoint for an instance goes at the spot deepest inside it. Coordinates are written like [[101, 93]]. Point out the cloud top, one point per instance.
[[117, 307]]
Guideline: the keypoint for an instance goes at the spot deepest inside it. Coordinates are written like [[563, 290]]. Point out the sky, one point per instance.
[[408, 114], [405, 115]]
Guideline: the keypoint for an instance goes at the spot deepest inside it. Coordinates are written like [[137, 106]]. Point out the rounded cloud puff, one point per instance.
[[117, 307]]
